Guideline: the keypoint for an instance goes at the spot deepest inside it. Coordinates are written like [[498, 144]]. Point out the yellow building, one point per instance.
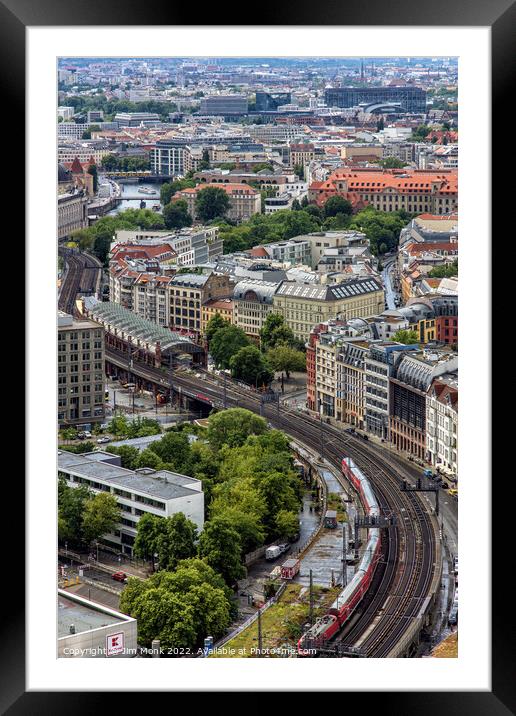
[[216, 306], [304, 306]]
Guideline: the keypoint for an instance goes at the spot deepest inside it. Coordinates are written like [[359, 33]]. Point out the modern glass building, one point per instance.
[[412, 99]]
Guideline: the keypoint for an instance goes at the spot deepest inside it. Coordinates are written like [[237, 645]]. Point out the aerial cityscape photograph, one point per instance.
[[257, 357]]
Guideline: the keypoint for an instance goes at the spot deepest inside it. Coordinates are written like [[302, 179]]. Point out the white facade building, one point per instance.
[[442, 425], [157, 492]]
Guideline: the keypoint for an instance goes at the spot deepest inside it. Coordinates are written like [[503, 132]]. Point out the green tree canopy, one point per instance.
[[180, 608], [175, 215], [406, 337], [211, 202], [232, 427], [214, 324], [284, 358], [101, 514], [287, 523], [225, 343], [275, 331], [445, 271], [221, 548], [250, 365], [176, 542], [337, 205]]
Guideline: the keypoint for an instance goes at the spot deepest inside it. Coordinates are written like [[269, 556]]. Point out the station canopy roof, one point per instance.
[[140, 328]]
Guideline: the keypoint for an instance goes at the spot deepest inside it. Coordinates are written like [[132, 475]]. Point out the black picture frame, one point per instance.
[[499, 15]]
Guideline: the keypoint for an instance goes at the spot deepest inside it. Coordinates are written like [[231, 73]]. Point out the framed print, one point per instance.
[[252, 386]]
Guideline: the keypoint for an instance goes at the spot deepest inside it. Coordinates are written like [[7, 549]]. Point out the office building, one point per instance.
[[144, 491], [80, 371], [410, 99], [226, 104]]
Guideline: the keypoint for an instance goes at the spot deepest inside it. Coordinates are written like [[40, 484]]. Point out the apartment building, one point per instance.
[[80, 371], [244, 201], [145, 491], [253, 301], [176, 301], [72, 212], [321, 241], [434, 192], [442, 424], [223, 307], [193, 246], [301, 154], [294, 251], [409, 384], [305, 306], [379, 363]]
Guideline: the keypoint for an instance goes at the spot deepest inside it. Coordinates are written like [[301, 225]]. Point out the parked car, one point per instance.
[[119, 577], [103, 440]]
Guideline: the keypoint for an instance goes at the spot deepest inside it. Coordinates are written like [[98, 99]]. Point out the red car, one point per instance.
[[120, 576]]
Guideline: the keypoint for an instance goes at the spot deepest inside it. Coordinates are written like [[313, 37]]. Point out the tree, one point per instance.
[[101, 514], [128, 455], [221, 548], [214, 324], [149, 458], [274, 331], [337, 205], [168, 189], [148, 529], [287, 524], [174, 449], [392, 163], [407, 337], [179, 608], [176, 215], [71, 503], [250, 366], [233, 427], [296, 206], [304, 202], [284, 358], [225, 343], [445, 271], [176, 541], [211, 202], [299, 171]]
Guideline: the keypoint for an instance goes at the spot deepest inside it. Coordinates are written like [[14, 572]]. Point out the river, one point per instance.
[[132, 196]]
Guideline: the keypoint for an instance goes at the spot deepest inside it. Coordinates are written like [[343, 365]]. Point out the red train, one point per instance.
[[351, 596]]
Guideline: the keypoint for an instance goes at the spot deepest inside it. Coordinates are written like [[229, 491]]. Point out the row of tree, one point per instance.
[[97, 237], [381, 228], [117, 163], [83, 516]]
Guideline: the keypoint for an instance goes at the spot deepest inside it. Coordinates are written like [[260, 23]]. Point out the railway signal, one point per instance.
[[422, 487]]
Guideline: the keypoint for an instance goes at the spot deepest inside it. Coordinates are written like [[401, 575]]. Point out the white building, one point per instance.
[[65, 112], [157, 492], [442, 424]]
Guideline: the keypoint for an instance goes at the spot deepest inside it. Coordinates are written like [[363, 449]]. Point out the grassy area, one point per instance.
[[281, 624], [448, 648], [334, 502]]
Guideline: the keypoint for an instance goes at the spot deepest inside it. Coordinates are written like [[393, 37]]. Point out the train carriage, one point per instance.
[[351, 596]]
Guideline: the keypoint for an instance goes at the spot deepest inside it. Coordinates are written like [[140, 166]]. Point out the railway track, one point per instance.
[[83, 277], [400, 590]]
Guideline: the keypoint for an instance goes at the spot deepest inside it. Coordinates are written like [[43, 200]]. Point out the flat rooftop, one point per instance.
[[163, 484], [84, 617]]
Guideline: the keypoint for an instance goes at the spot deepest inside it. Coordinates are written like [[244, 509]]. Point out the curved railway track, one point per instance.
[[401, 585], [83, 277]]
